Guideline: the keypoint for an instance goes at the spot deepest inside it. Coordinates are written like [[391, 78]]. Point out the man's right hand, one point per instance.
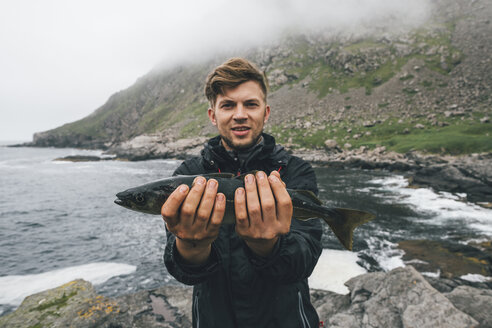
[[194, 217]]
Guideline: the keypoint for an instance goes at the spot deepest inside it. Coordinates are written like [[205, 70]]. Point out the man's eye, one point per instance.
[[226, 106], [251, 105]]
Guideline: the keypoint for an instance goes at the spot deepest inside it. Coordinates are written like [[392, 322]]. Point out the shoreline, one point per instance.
[[469, 174], [401, 295], [459, 174]]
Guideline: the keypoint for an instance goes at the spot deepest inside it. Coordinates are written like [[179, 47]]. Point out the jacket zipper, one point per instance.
[[196, 312], [305, 322]]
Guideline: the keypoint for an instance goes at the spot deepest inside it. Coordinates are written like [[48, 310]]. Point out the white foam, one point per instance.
[[436, 274], [13, 289], [475, 277], [386, 253], [443, 206], [334, 268]]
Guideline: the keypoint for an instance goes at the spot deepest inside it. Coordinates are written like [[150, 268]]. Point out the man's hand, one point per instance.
[[263, 211], [194, 217]]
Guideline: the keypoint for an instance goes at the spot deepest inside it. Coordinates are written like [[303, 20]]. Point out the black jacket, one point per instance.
[[236, 288]]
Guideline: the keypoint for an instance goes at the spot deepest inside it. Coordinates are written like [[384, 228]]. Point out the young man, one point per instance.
[[253, 273]]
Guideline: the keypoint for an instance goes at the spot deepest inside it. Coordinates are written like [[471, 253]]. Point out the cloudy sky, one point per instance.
[[60, 60]]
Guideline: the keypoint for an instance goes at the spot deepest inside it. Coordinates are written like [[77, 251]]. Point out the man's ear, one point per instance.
[[267, 114], [211, 116]]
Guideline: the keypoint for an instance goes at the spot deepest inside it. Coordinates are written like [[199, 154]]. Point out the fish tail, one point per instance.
[[343, 222]]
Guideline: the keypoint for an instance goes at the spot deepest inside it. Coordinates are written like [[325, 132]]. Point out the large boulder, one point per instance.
[[76, 304], [474, 302], [399, 298]]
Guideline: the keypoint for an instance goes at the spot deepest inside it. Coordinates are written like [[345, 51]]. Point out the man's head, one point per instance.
[[237, 93]]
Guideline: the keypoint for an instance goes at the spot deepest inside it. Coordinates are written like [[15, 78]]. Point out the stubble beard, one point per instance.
[[239, 147]]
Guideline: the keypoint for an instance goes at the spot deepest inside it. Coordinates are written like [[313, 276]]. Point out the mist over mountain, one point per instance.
[[353, 81]]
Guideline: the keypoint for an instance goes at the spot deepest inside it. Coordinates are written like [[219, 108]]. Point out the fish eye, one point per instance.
[[139, 197]]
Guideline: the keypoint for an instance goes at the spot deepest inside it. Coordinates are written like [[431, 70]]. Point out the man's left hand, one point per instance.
[[263, 211]]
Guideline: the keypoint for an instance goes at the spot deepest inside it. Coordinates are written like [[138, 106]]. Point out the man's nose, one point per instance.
[[240, 113]]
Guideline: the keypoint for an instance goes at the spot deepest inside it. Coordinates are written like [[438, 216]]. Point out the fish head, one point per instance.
[[146, 200]]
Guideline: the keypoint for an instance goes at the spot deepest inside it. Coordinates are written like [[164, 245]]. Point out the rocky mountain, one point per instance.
[[425, 89]]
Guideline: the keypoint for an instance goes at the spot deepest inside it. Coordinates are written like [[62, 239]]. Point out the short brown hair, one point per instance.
[[230, 74]]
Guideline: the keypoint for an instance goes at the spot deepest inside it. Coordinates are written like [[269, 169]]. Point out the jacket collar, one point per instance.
[[217, 156]]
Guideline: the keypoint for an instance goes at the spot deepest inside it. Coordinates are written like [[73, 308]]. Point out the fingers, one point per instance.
[[241, 210], [170, 209], [190, 205], [218, 212], [207, 202], [266, 197], [277, 174], [283, 200], [252, 200]]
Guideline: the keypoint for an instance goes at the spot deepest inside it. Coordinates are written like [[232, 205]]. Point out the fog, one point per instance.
[[60, 60]]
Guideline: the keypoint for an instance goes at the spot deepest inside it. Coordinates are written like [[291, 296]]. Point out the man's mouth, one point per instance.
[[240, 130]]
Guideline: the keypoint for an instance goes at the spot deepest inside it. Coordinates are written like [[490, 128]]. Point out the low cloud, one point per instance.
[[60, 60]]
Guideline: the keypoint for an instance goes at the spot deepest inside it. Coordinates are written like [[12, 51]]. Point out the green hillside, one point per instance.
[[427, 90]]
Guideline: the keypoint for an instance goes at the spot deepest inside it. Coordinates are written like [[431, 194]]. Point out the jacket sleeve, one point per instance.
[[296, 253], [186, 273]]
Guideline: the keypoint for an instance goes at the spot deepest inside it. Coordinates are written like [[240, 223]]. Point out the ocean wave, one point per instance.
[[14, 288], [442, 207], [334, 268], [385, 253]]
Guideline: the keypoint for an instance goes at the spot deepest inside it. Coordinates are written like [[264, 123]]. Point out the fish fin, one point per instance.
[[343, 221], [242, 176], [305, 214], [218, 175], [311, 195]]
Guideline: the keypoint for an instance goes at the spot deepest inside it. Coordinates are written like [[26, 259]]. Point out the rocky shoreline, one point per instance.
[[399, 298], [466, 174]]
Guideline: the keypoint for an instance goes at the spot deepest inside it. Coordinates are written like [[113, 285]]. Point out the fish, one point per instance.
[[150, 197]]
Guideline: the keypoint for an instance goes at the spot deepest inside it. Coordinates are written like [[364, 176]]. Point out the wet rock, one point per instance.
[[77, 305], [78, 158], [466, 176], [399, 298], [477, 303], [156, 146], [449, 260]]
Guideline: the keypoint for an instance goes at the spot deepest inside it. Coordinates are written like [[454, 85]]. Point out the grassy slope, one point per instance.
[[457, 137], [185, 111]]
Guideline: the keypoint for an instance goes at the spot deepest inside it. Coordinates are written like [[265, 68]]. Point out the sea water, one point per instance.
[[58, 223]]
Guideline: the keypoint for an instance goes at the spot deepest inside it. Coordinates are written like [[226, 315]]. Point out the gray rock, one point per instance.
[[474, 302], [76, 304], [399, 298], [331, 144], [157, 146]]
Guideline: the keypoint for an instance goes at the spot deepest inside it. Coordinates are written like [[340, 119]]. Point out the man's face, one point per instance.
[[239, 115]]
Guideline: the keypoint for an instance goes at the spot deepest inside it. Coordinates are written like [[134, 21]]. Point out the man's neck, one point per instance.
[[243, 150]]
